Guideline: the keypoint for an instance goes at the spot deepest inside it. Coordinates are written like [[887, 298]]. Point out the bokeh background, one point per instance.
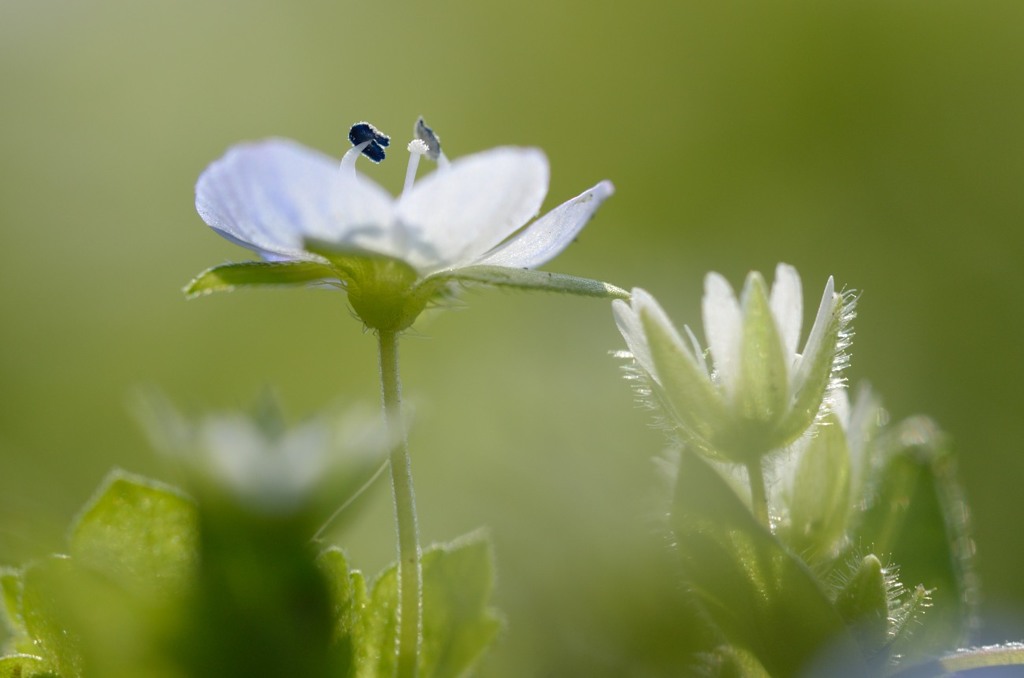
[[880, 142]]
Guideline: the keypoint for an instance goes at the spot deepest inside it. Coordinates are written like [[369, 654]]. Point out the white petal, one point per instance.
[[627, 319], [787, 305], [461, 211], [723, 323], [628, 322], [270, 195], [362, 215], [545, 238], [829, 300]]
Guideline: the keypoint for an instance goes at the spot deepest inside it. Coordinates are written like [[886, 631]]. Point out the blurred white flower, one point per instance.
[[263, 464], [757, 393]]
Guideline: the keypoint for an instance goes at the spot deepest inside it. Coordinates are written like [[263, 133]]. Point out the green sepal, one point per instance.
[[762, 387], [139, 533], [227, 277], [686, 388], [759, 595], [528, 279], [458, 623], [917, 517], [380, 288], [863, 602], [819, 501], [24, 666]]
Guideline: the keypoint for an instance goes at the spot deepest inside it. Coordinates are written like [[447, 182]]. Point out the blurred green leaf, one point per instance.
[[759, 595], [260, 604], [24, 666], [140, 533], [227, 277], [48, 620], [10, 597], [919, 520], [729, 661], [998, 658]]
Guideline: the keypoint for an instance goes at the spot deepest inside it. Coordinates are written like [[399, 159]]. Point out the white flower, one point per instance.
[[314, 221], [263, 464], [758, 394]]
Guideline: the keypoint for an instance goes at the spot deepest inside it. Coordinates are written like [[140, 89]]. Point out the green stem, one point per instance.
[[758, 496], [410, 572]]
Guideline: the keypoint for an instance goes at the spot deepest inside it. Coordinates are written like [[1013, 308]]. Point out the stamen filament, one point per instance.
[[348, 161], [416, 149]]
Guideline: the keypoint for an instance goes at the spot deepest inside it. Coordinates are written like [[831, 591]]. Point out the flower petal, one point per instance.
[[787, 305], [722, 326], [545, 238], [813, 379], [627, 319], [461, 211], [270, 195]]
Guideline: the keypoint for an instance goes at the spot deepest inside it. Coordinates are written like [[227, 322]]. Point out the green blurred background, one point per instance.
[[881, 142]]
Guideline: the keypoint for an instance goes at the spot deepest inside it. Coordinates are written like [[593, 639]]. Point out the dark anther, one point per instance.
[[362, 132], [427, 136]]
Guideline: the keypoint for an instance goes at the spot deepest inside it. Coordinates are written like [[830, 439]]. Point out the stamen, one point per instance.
[[348, 161], [417, 148], [371, 139], [429, 138]]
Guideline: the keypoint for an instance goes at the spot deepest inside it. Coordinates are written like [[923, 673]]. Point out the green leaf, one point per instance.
[[378, 628], [227, 277], [458, 624], [24, 666], [758, 594], [349, 601], [140, 534], [919, 520], [529, 279]]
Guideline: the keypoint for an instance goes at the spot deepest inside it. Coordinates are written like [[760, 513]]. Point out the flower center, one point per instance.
[[369, 141]]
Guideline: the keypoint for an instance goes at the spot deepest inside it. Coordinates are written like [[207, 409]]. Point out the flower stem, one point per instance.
[[410, 573], [758, 495]]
